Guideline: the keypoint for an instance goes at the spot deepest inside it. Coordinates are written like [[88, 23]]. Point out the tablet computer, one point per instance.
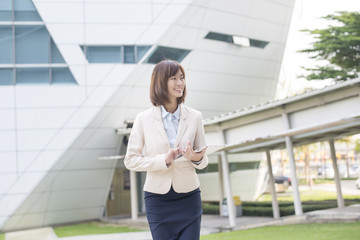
[[209, 150]]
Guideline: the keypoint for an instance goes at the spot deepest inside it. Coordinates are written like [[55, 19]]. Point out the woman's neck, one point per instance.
[[171, 107]]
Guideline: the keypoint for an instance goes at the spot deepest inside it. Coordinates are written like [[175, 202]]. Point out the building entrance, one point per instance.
[[118, 202]]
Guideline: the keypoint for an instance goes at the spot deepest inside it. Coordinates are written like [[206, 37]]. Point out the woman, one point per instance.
[[159, 135]]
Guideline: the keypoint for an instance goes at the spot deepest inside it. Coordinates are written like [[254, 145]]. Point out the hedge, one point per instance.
[[286, 208]]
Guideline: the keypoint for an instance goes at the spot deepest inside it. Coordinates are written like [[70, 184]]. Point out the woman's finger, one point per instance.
[[191, 150], [203, 152]]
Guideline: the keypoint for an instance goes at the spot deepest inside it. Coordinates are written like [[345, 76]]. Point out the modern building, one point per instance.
[[73, 71]]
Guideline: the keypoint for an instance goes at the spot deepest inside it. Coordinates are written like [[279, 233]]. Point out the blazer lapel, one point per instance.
[[159, 124], [183, 124]]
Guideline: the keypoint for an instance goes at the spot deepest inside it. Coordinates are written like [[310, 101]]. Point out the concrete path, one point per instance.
[[114, 236], [348, 187]]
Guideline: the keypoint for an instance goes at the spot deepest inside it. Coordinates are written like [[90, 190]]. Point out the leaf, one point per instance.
[[339, 45]]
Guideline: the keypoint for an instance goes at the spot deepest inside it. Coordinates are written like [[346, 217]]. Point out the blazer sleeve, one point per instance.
[[200, 142], [134, 158]]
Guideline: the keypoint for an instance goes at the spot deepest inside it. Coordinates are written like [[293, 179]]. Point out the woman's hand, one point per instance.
[[171, 154], [190, 154]]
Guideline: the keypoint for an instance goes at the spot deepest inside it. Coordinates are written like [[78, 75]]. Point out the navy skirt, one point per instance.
[[174, 216]]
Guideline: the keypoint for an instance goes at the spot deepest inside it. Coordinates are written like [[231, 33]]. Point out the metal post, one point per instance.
[[221, 186], [275, 205], [294, 182], [340, 199], [227, 186], [133, 194]]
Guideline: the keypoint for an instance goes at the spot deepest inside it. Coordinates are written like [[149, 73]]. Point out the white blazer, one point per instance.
[[148, 145]]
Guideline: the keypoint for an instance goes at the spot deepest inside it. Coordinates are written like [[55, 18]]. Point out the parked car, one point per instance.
[[282, 180], [358, 183], [282, 183], [329, 171]]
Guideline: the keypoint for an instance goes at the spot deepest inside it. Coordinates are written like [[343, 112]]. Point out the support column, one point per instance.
[[340, 199], [133, 195], [294, 182], [275, 204], [221, 186], [227, 186]]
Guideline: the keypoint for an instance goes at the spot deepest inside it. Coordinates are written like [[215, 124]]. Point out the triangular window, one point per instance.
[[28, 54]]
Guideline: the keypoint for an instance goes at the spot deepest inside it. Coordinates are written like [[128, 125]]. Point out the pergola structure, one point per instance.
[[321, 115]]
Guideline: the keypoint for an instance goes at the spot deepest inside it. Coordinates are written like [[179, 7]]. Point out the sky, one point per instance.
[[306, 15]]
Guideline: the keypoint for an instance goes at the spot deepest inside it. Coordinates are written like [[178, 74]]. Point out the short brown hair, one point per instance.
[[159, 79]]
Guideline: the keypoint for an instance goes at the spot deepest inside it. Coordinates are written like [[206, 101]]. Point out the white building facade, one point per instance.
[[73, 71]]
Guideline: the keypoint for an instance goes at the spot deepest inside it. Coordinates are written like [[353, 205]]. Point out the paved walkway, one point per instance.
[[214, 223]]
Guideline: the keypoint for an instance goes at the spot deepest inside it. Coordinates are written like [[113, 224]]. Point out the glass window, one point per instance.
[[219, 37], [32, 44], [140, 52], [5, 10], [62, 75], [129, 54], [55, 54], [212, 167], [258, 43], [25, 11], [162, 53], [126, 179], [32, 76], [6, 44], [101, 54], [236, 166], [6, 76]]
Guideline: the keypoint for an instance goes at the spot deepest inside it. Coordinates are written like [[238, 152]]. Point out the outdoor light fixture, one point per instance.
[[241, 41], [236, 40]]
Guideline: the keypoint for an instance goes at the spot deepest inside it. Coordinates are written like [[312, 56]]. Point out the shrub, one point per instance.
[[286, 208]]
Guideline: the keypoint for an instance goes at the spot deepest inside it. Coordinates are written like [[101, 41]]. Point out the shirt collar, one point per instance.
[[164, 113]]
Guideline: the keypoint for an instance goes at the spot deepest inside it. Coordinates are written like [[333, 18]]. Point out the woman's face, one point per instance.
[[176, 86]]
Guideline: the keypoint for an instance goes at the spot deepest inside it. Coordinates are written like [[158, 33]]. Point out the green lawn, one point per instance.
[[326, 231], [318, 231], [90, 228], [2, 236]]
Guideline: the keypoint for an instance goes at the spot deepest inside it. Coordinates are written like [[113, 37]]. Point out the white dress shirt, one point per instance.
[[171, 124]]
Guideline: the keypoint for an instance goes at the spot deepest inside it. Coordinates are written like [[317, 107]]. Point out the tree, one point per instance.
[[357, 146], [339, 46]]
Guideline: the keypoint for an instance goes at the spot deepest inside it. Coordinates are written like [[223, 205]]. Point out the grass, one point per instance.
[[90, 228], [2, 236], [325, 231]]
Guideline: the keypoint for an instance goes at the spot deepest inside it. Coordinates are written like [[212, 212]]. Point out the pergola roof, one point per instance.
[[329, 113], [276, 103], [316, 133]]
